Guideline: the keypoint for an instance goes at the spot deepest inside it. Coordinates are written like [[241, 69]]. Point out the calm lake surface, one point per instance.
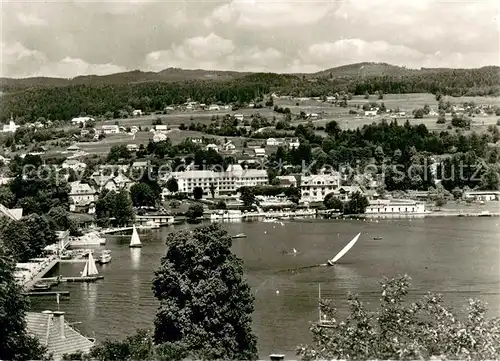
[[458, 257]]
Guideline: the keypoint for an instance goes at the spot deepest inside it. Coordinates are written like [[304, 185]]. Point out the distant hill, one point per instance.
[[351, 71]]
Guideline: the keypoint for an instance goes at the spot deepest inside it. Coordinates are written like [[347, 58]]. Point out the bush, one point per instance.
[[441, 121], [398, 330], [498, 122]]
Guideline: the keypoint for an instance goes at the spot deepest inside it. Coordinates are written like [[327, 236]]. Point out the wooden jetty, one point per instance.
[[46, 293], [72, 279]]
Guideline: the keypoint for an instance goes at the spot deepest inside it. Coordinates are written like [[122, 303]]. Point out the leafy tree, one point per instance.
[[142, 195], [115, 205], [402, 330], [293, 194], [247, 196], [16, 343], [332, 202], [221, 205], [491, 179], [418, 113], [332, 128], [205, 305], [172, 185], [118, 152], [61, 221], [213, 188], [357, 204], [27, 237], [194, 211], [197, 193]]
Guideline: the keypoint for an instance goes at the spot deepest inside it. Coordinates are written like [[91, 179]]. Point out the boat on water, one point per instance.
[[88, 239], [66, 255], [377, 238], [135, 241], [41, 286], [149, 225], [270, 220], [344, 250], [105, 257], [240, 235], [90, 268]]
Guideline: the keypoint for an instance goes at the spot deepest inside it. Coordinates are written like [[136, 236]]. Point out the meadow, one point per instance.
[[327, 112]]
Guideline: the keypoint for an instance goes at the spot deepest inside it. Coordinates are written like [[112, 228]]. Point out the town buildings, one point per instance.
[[395, 206], [110, 129], [81, 195], [225, 183]]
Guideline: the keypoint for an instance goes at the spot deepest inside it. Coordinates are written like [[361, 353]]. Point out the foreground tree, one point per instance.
[[398, 330], [16, 343], [205, 304]]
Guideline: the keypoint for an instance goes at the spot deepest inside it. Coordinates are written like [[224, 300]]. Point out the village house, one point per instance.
[[229, 146], [293, 143], [81, 120], [314, 188], [225, 183], [73, 148], [312, 116], [73, 164], [214, 107], [120, 182], [370, 113], [197, 140], [81, 195], [169, 109], [84, 132], [137, 113], [272, 142], [140, 164], [110, 129], [239, 117], [132, 147], [10, 128], [161, 127], [56, 334], [213, 147], [260, 152], [159, 137]]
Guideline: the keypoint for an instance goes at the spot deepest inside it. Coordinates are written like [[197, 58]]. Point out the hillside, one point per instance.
[[363, 70]]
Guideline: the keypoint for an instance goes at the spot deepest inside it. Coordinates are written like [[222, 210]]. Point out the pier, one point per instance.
[[38, 277], [72, 279], [115, 230], [46, 293]]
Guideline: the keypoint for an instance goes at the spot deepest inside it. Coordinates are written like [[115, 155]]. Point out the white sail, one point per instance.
[[90, 269], [135, 240], [345, 249]]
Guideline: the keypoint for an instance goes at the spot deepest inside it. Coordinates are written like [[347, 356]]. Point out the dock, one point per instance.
[[46, 293], [38, 277], [115, 230], [74, 260], [72, 279]]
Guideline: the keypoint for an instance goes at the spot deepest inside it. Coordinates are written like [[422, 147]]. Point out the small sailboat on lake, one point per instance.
[[90, 269], [135, 241], [344, 250]]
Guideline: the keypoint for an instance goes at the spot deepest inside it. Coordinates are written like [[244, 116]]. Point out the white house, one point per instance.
[[397, 206], [287, 180], [159, 137], [226, 183], [81, 120], [370, 113], [161, 127], [110, 129], [214, 107], [74, 164], [229, 146], [272, 142], [314, 188], [137, 113], [10, 128], [118, 183], [213, 147], [81, 194], [485, 196], [197, 140], [132, 147], [294, 143], [260, 152], [239, 117], [312, 115]]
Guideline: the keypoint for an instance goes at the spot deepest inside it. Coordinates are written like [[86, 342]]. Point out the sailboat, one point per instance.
[[90, 268], [344, 250], [135, 241]]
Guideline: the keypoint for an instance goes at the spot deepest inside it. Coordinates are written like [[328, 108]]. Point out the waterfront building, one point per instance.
[[56, 334], [225, 183], [485, 196], [395, 206], [314, 188]]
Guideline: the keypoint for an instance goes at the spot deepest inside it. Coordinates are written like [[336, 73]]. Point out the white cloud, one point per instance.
[[30, 20]]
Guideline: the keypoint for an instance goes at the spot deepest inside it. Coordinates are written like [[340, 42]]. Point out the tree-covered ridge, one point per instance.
[[97, 98]]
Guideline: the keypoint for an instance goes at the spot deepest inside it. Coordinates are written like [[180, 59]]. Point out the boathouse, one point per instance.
[[395, 206]]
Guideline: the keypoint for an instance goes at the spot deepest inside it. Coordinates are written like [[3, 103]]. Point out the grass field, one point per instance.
[[405, 102]]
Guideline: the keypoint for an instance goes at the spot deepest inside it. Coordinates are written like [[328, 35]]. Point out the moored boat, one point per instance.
[[135, 241], [240, 235], [105, 257]]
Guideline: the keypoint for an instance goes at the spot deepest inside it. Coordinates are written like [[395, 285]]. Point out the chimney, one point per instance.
[[60, 315]]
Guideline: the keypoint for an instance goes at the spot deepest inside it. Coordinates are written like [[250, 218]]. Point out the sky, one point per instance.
[[61, 38]]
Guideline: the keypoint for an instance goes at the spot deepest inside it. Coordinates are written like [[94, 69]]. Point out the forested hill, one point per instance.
[[63, 99]]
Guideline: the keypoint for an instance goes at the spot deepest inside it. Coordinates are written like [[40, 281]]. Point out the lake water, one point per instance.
[[458, 257]]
